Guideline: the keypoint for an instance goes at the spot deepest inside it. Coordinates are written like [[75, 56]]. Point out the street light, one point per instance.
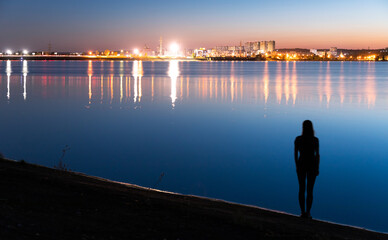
[[25, 52], [174, 48], [136, 51], [9, 52]]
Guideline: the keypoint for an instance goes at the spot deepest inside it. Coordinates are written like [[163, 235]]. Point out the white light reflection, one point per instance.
[[8, 71], [173, 73], [90, 72], [25, 71], [137, 72]]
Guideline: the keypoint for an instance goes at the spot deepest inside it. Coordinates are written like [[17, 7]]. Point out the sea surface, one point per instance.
[[217, 129]]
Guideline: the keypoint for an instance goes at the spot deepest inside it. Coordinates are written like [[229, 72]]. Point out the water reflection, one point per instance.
[[294, 83], [279, 82], [25, 71], [121, 80], [267, 83], [342, 84], [90, 73], [370, 85], [287, 82], [137, 72], [8, 71], [173, 73], [328, 92]]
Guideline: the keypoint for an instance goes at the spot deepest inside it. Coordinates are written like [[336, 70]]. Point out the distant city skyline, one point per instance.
[[96, 25]]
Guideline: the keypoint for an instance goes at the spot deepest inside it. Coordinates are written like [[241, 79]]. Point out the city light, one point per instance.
[[174, 48]]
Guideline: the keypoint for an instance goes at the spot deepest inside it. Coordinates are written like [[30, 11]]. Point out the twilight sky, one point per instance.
[[83, 25]]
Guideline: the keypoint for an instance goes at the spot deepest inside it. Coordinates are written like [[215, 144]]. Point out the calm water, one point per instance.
[[217, 129]]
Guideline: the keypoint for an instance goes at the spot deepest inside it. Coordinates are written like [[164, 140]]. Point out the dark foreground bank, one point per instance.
[[43, 203]]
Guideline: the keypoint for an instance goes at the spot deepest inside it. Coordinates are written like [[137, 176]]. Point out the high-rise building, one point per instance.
[[270, 46], [256, 46], [263, 46], [248, 46]]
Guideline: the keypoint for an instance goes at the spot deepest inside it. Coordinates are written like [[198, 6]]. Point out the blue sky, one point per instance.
[[89, 25]]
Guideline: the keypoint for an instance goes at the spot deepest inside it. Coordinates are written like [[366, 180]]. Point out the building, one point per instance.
[[251, 48], [248, 46], [314, 51], [263, 46], [271, 46], [202, 52], [147, 51], [189, 52], [333, 51]]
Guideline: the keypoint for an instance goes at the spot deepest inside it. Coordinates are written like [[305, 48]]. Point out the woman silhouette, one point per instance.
[[307, 165]]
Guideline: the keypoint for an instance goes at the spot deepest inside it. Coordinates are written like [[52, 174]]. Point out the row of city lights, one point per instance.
[[173, 51], [10, 52]]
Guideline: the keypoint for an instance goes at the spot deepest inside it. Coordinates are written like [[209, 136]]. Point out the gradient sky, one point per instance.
[[82, 25]]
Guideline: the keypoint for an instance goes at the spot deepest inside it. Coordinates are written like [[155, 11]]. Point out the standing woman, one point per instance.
[[307, 165]]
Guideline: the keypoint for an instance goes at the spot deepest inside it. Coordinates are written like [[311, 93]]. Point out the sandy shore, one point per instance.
[[42, 203]]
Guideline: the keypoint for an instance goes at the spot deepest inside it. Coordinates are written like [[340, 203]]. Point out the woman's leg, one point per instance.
[[310, 186], [302, 189]]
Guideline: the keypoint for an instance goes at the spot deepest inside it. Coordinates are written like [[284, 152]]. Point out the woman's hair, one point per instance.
[[308, 130]]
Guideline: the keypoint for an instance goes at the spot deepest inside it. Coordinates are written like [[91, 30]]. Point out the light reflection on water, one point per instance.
[[284, 89], [8, 71], [173, 73], [218, 129]]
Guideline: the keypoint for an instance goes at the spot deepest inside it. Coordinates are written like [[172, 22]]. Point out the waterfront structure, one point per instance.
[[314, 51], [201, 52], [250, 48], [333, 51]]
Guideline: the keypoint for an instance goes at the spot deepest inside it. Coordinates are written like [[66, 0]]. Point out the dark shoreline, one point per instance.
[[43, 203]]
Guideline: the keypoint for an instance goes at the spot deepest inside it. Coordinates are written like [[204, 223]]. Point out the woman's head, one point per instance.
[[308, 129]]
